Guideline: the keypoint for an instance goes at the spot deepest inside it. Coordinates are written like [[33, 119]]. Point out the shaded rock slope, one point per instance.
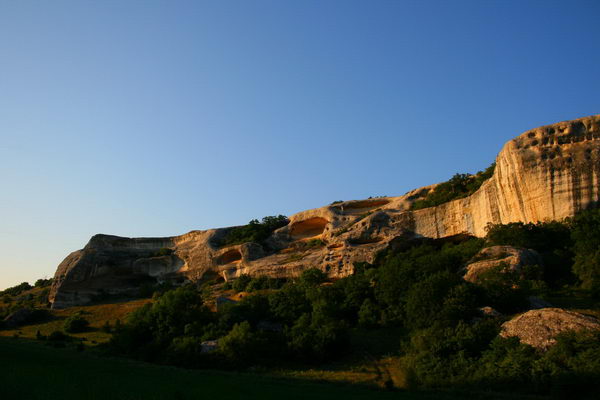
[[547, 173], [504, 258]]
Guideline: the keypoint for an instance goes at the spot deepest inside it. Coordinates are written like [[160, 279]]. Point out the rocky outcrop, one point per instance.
[[546, 173], [539, 328], [506, 258]]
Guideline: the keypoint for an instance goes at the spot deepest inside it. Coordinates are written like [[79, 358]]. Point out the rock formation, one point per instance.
[[547, 173], [509, 258], [538, 328]]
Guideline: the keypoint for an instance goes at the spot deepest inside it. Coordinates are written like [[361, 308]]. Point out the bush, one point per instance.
[[43, 283], [312, 277], [459, 186], [441, 298], [75, 323], [241, 345], [239, 284], [399, 272], [16, 290], [58, 336], [551, 239], [586, 237], [289, 303], [368, 314], [151, 328], [313, 341], [263, 282], [255, 231], [504, 290]]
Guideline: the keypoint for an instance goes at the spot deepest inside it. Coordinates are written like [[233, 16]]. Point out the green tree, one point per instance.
[[241, 345], [586, 237]]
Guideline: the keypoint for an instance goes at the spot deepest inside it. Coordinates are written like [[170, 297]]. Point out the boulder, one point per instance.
[[209, 346], [539, 328], [508, 258], [489, 312]]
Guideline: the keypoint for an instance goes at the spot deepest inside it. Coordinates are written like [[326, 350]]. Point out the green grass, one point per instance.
[[96, 314], [32, 371]]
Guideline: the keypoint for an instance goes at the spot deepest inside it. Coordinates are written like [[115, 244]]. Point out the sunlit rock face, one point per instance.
[[539, 328], [547, 173]]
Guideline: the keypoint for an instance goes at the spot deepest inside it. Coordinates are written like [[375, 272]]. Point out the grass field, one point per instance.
[[97, 315], [33, 371]]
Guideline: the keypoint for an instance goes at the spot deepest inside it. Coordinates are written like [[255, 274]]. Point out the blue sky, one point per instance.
[[153, 118]]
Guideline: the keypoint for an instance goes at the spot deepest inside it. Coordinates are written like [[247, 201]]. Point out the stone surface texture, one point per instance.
[[508, 258], [538, 328], [547, 173]]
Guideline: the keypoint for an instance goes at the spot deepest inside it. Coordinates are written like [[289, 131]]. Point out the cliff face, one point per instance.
[[547, 173]]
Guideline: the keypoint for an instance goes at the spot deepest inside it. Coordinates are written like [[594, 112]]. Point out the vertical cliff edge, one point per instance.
[[547, 173]]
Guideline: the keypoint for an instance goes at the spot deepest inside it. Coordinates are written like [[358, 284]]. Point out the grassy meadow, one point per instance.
[[33, 371]]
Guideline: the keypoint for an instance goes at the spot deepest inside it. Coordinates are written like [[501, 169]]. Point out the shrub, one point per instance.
[[239, 285], [58, 336], [264, 282], [152, 328], [424, 300], [75, 323], [503, 290], [368, 314], [43, 282], [551, 239], [255, 231], [312, 277], [459, 186], [312, 340], [586, 237], [16, 290], [241, 345], [289, 303]]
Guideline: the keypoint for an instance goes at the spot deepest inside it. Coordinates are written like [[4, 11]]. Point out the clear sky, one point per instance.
[[153, 118]]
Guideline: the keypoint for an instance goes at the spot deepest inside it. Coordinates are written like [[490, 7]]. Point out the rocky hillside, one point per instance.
[[547, 173]]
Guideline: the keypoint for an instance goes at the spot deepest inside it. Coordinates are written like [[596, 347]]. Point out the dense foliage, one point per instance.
[[255, 231], [419, 288], [16, 290], [76, 323], [24, 296], [586, 247], [246, 283], [459, 186]]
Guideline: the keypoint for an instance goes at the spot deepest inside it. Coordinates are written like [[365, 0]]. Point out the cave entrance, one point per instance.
[[231, 256], [309, 228]]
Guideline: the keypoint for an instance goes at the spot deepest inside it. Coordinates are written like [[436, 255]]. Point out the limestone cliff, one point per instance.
[[547, 173]]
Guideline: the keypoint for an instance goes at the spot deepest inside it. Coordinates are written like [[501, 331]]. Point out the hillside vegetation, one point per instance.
[[36, 372], [254, 231], [419, 289], [458, 187], [408, 320]]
